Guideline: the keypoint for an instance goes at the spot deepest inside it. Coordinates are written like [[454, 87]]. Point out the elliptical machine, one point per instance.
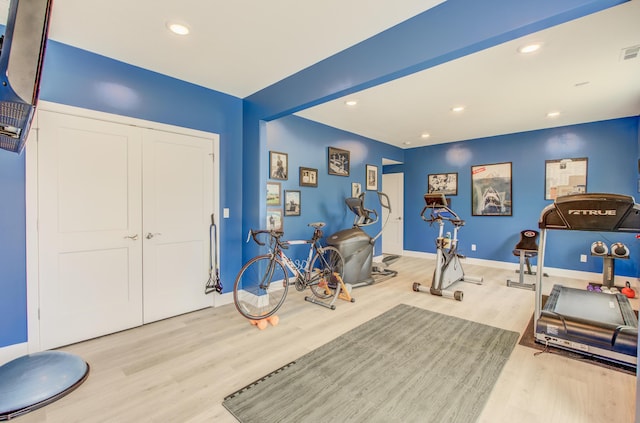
[[448, 267], [356, 246]]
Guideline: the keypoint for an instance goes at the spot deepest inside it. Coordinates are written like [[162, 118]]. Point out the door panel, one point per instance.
[[177, 205], [393, 235], [89, 188]]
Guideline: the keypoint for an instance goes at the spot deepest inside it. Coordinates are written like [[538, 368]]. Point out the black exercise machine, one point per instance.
[[588, 322], [356, 246]]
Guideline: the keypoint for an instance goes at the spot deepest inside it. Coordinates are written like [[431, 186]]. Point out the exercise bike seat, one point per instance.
[[528, 243]]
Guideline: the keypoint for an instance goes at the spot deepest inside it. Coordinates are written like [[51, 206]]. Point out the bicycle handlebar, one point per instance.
[[273, 234]]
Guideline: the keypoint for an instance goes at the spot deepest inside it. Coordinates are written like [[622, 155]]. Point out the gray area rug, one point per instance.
[[406, 365]]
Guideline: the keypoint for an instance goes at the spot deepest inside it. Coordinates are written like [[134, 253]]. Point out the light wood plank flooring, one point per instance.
[[180, 369]]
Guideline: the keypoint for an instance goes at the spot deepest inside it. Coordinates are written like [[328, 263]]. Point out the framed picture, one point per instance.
[[564, 177], [445, 183], [491, 190], [273, 193], [372, 177], [308, 177], [292, 203], [356, 189], [338, 161], [278, 165], [274, 219]]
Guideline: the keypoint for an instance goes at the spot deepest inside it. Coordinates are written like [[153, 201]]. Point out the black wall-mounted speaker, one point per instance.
[[21, 56]]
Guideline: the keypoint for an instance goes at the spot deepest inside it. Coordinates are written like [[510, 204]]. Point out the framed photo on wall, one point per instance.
[[445, 183], [308, 177], [273, 193], [564, 177], [292, 203], [338, 161], [372, 177], [278, 165], [274, 219], [491, 190]]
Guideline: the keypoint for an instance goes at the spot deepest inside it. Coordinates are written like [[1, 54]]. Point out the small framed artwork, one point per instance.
[[338, 161], [274, 219], [278, 165], [564, 177], [356, 189], [372, 177], [292, 203], [273, 193], [308, 177], [491, 190], [445, 183]]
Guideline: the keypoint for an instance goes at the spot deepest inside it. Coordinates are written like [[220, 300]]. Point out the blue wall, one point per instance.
[[611, 148], [13, 287], [79, 78], [306, 144], [82, 79]]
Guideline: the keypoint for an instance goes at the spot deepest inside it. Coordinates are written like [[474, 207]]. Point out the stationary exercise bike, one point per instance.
[[356, 246], [448, 267]]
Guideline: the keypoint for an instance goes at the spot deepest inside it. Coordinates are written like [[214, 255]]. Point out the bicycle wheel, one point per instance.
[[260, 287], [322, 281]]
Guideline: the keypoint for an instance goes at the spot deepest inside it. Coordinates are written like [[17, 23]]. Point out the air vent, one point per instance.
[[630, 53]]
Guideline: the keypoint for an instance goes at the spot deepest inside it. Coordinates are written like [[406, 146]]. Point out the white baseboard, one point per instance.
[[13, 351], [553, 271]]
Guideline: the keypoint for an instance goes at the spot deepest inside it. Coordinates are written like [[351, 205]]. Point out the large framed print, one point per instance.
[[564, 177], [338, 161], [491, 190], [445, 183]]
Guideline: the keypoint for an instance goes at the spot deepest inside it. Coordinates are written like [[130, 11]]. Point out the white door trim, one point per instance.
[[31, 196]]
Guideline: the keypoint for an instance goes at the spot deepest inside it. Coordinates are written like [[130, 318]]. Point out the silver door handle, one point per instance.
[[150, 235], [132, 237]]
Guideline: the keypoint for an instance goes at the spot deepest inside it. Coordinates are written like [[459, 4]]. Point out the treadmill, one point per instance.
[[587, 322]]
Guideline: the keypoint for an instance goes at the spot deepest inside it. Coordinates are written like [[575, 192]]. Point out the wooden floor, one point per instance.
[[180, 369]]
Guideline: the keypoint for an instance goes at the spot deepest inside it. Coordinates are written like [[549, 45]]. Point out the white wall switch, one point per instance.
[[225, 212]]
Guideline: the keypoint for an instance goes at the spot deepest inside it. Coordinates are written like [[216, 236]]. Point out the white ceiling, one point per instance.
[[239, 47], [578, 72]]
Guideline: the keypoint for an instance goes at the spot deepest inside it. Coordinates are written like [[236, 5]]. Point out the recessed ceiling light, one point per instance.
[[178, 28], [530, 48], [407, 143], [425, 135], [351, 102], [553, 114], [457, 109]]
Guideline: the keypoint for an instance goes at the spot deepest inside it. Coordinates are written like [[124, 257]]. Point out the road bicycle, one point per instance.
[[263, 282]]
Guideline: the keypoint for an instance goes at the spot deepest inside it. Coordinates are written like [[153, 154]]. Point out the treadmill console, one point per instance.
[[592, 212]]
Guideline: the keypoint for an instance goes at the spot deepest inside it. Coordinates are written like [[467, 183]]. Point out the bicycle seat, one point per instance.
[[317, 225]]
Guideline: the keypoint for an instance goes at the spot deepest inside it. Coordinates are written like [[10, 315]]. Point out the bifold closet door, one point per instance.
[[177, 207], [89, 228], [123, 226]]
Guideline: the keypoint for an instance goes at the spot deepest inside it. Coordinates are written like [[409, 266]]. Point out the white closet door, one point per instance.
[[177, 205], [90, 229]]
